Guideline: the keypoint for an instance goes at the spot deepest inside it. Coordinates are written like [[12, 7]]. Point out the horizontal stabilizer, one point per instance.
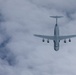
[[56, 16]]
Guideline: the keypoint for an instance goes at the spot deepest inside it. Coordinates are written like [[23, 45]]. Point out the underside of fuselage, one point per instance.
[[56, 48], [56, 45]]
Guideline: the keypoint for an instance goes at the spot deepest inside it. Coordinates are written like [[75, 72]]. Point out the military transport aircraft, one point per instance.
[[56, 38]]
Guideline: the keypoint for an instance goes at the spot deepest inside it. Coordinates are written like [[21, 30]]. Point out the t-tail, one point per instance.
[[56, 18]]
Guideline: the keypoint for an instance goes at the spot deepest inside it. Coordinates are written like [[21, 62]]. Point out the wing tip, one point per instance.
[[35, 34]]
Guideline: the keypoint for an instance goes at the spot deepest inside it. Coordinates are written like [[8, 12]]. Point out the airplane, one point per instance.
[[56, 38]]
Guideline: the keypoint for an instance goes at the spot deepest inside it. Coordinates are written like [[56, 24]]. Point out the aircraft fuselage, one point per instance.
[[56, 36]]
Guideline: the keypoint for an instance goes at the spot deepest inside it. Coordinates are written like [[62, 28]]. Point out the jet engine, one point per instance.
[[43, 40], [69, 40], [64, 41], [47, 41]]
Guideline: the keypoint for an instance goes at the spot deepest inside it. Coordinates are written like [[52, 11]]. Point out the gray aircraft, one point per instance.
[[56, 38]]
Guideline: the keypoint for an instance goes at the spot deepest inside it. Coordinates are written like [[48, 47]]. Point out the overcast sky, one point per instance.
[[23, 54]]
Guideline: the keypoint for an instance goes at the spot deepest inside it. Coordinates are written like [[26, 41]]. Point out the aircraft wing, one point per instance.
[[45, 37], [66, 37]]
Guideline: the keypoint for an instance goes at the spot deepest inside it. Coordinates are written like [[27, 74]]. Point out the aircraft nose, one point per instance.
[[56, 48]]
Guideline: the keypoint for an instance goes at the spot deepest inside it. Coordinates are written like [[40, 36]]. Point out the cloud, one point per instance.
[[23, 54]]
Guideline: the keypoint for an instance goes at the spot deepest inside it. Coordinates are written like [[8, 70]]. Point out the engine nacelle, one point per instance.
[[64, 41], [47, 41], [69, 40], [43, 40]]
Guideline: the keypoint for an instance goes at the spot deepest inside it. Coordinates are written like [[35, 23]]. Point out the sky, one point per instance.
[[23, 54]]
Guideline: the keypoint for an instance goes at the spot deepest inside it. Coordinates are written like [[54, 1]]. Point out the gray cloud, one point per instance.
[[23, 54]]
